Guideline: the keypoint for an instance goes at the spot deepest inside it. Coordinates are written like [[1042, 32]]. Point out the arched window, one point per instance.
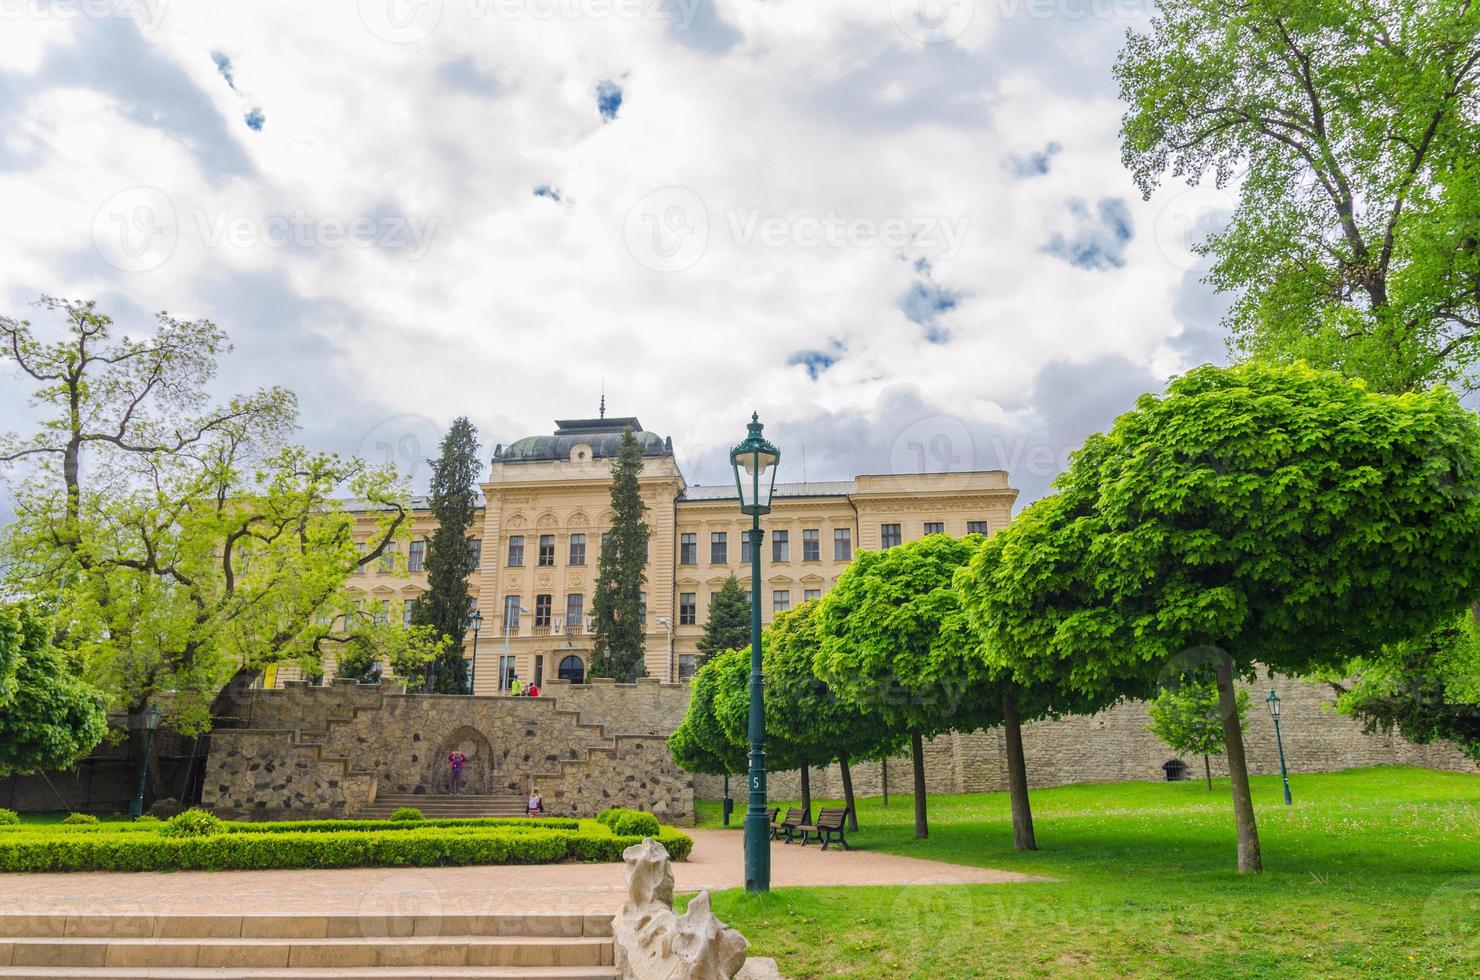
[[573, 670]]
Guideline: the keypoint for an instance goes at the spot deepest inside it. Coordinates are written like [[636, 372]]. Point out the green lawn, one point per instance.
[[1372, 872]]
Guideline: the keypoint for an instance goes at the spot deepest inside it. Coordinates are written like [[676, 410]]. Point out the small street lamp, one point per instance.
[[151, 725], [755, 462], [476, 621], [1274, 712]]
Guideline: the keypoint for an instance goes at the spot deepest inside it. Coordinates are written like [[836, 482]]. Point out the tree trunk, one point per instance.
[[917, 751], [806, 795], [1238, 771], [1208, 771], [848, 791], [884, 775], [1017, 778]]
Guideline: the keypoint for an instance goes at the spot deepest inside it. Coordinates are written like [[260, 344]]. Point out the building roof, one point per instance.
[[825, 488], [603, 435]]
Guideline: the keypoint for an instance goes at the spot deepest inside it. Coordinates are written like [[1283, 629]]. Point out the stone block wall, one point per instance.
[[333, 749]]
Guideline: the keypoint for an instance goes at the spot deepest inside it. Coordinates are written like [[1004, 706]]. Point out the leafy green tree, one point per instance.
[[445, 604], [1189, 718], [728, 625], [896, 645], [50, 718], [732, 711], [1427, 688], [700, 743], [182, 540], [1351, 129], [617, 606], [1256, 514], [804, 711]]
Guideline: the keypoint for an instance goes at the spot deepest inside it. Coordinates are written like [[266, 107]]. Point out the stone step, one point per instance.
[[325, 973], [297, 953], [368, 925]]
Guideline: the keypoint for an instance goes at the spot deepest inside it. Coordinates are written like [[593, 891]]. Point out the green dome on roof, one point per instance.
[[604, 436]]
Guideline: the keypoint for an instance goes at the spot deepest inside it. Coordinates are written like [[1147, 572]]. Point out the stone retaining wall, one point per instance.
[[331, 750]]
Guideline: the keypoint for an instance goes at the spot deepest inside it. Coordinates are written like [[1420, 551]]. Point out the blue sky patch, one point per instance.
[[545, 190], [608, 99], [1035, 164], [1101, 238], [926, 300], [223, 65], [255, 118]]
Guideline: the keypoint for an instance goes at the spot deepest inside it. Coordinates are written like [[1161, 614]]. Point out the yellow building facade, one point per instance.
[[547, 501]]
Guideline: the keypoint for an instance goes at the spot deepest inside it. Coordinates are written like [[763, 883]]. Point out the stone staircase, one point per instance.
[[568, 946], [445, 807]]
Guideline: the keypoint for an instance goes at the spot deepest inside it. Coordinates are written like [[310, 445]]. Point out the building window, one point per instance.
[[359, 559], [475, 551], [780, 546], [388, 560], [547, 550], [688, 609], [745, 549], [542, 604], [642, 608], [842, 544], [719, 548], [572, 670], [977, 527], [379, 614], [407, 608], [809, 594], [511, 613], [575, 610], [516, 550], [688, 549], [812, 545], [416, 558], [505, 671], [780, 600], [578, 549], [935, 527], [889, 535], [688, 665]]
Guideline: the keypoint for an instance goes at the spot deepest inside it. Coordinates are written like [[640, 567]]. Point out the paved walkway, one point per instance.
[[717, 863]]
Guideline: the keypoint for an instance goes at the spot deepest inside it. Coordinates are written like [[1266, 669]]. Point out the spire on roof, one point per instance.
[[603, 399]]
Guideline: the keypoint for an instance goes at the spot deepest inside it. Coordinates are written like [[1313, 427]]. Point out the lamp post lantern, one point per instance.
[[151, 724], [1274, 712], [755, 462], [476, 621]]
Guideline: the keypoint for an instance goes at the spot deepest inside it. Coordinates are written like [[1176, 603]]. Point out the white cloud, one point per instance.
[[826, 127]]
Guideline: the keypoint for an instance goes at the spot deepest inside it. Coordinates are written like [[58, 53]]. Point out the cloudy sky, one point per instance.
[[900, 229]]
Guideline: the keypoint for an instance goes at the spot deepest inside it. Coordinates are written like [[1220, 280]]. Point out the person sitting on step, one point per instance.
[[536, 803]]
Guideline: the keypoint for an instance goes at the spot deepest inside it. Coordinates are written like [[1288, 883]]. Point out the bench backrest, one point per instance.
[[795, 816], [772, 813], [832, 817]]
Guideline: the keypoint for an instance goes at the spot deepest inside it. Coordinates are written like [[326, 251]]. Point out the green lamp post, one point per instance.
[[755, 462], [1274, 712], [151, 725]]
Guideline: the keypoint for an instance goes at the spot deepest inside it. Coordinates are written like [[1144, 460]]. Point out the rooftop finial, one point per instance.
[[603, 399]]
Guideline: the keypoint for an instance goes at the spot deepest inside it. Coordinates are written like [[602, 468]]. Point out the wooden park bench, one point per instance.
[[829, 824], [795, 818], [772, 812]]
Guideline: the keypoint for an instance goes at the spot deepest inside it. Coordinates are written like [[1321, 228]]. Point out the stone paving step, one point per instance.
[[422, 951], [373, 946], [330, 973], [371, 924], [448, 806]]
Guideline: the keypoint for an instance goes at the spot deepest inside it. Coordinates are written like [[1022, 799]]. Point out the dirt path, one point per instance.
[[717, 863]]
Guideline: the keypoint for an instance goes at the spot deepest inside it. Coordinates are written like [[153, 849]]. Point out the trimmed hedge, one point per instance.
[[628, 823], [151, 825], [80, 818], [419, 847], [407, 813], [9, 817], [192, 823]]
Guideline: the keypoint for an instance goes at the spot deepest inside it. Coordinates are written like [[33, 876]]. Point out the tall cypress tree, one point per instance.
[[621, 573], [728, 626], [449, 561]]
